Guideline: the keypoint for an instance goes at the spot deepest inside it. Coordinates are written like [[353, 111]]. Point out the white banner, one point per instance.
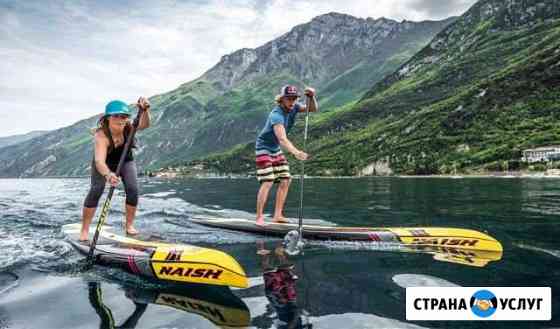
[[479, 303]]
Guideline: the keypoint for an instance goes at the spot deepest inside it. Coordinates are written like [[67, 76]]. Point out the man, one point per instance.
[[272, 166]]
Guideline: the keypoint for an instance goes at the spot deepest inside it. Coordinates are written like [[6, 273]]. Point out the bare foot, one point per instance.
[[260, 221], [83, 236], [263, 252], [281, 220], [131, 231]]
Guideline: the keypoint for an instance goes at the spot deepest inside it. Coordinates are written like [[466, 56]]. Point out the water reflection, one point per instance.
[[477, 258], [280, 277], [217, 304], [456, 255], [107, 320]]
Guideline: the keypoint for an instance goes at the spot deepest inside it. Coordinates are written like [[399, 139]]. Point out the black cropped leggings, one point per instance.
[[128, 177]]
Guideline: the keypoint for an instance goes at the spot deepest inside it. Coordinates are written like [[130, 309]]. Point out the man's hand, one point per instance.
[[310, 92], [302, 156]]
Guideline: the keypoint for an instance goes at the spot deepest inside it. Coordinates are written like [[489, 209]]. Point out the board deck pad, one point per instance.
[[160, 260]]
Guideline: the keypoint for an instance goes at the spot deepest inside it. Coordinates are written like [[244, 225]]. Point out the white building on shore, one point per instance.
[[541, 154]]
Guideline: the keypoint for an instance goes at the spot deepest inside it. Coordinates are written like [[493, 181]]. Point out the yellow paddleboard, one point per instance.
[[162, 261]]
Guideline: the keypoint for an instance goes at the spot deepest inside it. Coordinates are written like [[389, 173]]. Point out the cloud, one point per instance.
[[438, 9], [63, 60]]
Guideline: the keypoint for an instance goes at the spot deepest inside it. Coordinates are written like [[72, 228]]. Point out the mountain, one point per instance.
[[63, 147], [342, 56], [484, 89], [11, 140]]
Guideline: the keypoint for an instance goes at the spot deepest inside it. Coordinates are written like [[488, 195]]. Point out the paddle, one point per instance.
[[107, 204], [293, 243]]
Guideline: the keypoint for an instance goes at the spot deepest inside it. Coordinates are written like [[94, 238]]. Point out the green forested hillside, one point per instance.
[[483, 90]]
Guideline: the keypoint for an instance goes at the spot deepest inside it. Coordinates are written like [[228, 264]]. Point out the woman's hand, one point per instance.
[[143, 104], [112, 179]]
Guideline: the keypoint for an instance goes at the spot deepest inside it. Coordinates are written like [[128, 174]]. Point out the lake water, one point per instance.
[[333, 285]]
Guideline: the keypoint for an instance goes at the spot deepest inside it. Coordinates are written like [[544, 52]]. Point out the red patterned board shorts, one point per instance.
[[272, 167]]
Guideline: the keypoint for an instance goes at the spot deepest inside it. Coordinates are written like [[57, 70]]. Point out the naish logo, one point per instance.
[[446, 242], [190, 272], [191, 305], [446, 250], [174, 255]]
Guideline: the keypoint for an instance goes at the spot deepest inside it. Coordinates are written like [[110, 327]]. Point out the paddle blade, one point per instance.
[[293, 244]]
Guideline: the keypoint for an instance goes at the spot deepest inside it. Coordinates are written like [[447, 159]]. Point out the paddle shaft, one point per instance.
[[107, 204], [302, 175]]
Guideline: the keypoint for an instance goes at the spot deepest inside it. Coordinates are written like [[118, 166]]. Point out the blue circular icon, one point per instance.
[[483, 303]]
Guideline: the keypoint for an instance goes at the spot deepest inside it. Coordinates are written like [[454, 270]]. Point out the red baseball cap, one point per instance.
[[289, 91]]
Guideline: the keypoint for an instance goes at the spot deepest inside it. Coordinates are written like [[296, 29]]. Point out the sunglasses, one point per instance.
[[119, 116]]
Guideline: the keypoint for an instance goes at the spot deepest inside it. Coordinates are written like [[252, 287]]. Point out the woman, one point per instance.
[[110, 138]]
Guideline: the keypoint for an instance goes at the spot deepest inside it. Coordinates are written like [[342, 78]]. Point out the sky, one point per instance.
[[62, 61]]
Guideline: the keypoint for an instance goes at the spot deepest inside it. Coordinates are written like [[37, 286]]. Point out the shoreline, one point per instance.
[[510, 175], [174, 175]]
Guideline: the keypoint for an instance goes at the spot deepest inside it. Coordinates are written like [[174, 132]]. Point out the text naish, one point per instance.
[[190, 272], [446, 242]]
